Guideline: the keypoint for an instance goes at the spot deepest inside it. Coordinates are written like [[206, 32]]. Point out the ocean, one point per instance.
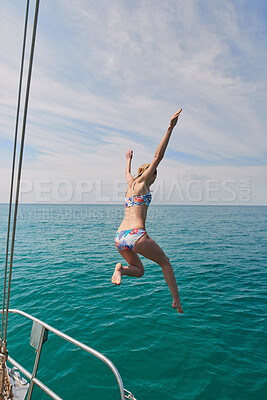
[[63, 263]]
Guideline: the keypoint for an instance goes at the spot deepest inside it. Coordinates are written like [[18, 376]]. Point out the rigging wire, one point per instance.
[[14, 158], [21, 156]]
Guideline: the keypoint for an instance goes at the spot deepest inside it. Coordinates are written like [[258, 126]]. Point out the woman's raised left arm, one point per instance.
[[129, 155]]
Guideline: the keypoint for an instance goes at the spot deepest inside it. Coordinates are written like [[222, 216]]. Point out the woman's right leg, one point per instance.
[[148, 248], [134, 268]]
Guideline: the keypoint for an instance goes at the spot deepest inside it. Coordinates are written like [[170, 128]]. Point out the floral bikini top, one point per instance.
[[138, 200]]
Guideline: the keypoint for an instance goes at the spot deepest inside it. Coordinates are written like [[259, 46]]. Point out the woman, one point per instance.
[[131, 237]]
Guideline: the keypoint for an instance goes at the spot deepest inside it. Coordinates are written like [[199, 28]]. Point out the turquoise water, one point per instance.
[[64, 259]]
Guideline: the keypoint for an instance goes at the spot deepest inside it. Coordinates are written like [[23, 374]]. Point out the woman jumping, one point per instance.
[[131, 237]]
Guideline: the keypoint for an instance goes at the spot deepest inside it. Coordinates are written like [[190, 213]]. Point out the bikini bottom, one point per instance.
[[125, 240]]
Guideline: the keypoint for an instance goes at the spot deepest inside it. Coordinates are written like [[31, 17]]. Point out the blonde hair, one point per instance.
[[141, 170]]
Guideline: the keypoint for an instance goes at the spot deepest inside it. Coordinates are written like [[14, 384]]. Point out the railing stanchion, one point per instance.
[[37, 358]]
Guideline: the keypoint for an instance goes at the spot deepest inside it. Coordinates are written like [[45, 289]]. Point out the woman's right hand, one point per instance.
[[174, 118], [129, 154]]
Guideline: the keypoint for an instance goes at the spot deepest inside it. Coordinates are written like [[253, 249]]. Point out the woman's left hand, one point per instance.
[[129, 154]]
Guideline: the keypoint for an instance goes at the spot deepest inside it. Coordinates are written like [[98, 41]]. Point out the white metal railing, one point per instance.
[[124, 394]]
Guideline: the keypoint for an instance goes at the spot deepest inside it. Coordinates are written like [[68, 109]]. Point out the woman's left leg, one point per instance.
[[148, 248], [134, 268]]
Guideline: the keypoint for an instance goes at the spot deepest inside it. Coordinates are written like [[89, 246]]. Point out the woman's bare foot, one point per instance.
[[116, 277], [177, 304]]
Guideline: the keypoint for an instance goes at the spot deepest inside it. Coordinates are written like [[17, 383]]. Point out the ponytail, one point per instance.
[[141, 170]]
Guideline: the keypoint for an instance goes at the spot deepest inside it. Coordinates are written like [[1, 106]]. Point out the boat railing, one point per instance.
[[38, 337]]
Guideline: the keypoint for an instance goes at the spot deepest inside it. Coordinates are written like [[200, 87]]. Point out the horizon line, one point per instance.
[[119, 204]]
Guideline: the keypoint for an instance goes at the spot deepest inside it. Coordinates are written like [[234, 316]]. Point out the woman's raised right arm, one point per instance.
[[164, 142], [161, 148]]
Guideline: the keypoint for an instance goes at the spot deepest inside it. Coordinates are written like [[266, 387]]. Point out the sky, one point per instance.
[[108, 76]]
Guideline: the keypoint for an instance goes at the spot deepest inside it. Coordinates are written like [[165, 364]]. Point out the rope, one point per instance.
[[14, 158], [21, 156]]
